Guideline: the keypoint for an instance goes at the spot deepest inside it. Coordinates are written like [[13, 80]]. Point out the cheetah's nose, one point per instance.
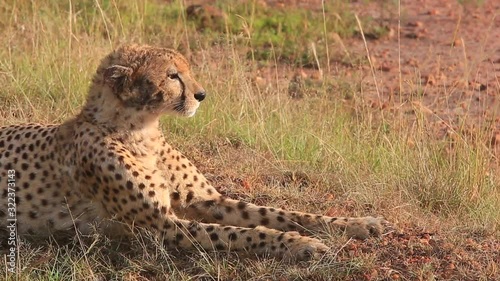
[[200, 96]]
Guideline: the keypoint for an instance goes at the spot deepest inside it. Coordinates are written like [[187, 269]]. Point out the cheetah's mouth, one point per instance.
[[181, 109]]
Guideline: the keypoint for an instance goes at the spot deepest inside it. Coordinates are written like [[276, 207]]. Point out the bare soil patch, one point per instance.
[[449, 58]]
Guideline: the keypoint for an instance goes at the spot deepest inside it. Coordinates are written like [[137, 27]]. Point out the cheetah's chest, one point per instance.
[[145, 152]]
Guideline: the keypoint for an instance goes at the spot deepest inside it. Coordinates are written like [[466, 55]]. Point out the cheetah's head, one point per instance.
[[151, 80]]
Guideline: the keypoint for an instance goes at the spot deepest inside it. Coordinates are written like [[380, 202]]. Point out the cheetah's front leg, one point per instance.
[[200, 201], [234, 212], [131, 193]]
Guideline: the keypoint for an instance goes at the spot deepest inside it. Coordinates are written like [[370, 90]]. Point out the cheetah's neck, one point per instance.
[[138, 131], [108, 112]]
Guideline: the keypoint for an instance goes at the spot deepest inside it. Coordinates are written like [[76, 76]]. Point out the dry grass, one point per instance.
[[328, 152]]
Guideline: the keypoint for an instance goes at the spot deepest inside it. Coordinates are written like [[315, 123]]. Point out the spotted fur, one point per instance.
[[112, 163]]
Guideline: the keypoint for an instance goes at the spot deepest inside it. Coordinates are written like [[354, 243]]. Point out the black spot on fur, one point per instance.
[[214, 236], [233, 236], [189, 196]]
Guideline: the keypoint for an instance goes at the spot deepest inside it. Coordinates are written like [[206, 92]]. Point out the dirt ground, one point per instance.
[[451, 51]]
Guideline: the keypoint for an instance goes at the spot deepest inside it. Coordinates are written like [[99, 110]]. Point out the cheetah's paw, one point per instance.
[[364, 227], [303, 247]]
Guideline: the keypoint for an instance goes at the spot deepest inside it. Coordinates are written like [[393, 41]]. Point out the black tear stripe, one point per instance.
[[180, 106], [183, 93]]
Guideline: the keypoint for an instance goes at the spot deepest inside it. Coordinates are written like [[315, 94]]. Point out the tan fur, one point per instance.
[[112, 162]]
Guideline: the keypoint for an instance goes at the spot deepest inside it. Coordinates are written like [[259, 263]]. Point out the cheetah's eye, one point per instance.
[[173, 76]]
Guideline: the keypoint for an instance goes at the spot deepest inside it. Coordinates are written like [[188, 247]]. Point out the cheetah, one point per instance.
[[112, 163]]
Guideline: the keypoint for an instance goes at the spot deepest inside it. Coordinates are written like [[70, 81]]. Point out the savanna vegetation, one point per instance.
[[289, 122]]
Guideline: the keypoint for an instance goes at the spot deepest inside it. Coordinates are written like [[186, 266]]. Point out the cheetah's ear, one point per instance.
[[117, 76]]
